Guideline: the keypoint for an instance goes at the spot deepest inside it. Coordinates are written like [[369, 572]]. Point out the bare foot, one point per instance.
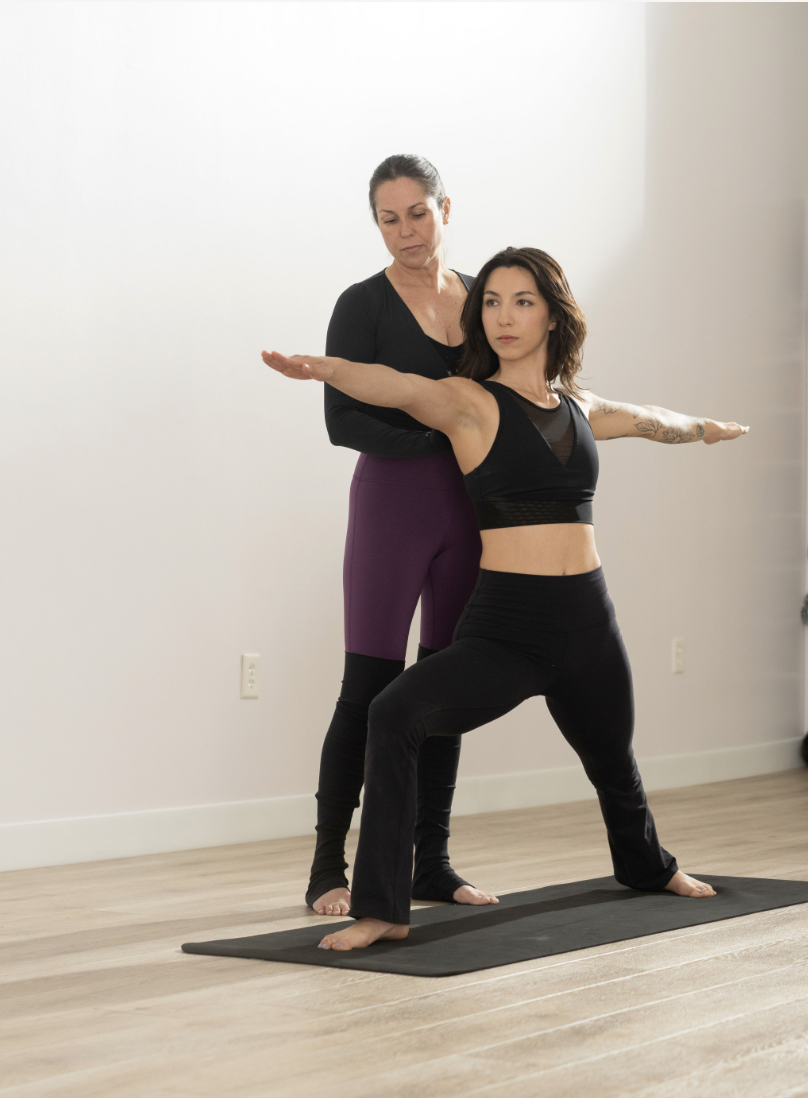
[[683, 885], [468, 895], [337, 901], [363, 933]]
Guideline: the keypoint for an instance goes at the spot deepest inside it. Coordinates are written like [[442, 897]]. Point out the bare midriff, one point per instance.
[[560, 549]]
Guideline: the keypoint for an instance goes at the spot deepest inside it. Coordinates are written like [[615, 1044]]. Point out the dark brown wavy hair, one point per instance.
[[480, 361]]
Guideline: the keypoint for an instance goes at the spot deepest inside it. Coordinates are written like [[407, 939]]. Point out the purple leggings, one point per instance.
[[411, 534]]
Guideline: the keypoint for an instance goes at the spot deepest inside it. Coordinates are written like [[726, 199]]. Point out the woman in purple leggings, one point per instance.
[[411, 528]]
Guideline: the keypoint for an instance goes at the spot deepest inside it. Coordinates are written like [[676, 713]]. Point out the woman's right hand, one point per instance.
[[301, 367]]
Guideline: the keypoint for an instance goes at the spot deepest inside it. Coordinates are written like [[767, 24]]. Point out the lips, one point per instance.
[[506, 339]]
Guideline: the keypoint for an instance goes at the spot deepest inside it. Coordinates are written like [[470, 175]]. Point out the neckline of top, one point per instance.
[[446, 346], [387, 279], [532, 403]]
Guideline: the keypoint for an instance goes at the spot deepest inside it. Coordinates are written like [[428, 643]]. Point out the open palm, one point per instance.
[[300, 367]]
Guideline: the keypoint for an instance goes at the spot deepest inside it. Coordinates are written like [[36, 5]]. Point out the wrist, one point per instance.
[[710, 428], [337, 367]]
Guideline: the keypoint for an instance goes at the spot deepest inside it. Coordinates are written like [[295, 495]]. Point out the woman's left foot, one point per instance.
[[683, 885], [466, 894], [363, 933]]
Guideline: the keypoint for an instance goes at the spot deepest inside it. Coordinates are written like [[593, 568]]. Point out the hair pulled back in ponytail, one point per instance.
[[406, 166]]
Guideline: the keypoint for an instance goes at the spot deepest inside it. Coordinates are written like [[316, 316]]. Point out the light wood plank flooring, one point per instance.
[[96, 1000]]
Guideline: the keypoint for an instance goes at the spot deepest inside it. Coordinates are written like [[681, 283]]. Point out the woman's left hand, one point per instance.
[[721, 432], [301, 367]]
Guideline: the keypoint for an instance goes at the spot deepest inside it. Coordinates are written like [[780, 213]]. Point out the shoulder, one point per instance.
[[366, 295], [584, 402], [469, 392], [466, 279], [462, 384]]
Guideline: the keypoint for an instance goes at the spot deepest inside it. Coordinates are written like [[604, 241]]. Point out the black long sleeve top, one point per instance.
[[371, 323]]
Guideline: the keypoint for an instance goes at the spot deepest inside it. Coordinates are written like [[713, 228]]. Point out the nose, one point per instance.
[[504, 319]]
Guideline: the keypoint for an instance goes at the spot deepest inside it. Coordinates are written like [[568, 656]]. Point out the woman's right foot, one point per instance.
[[337, 901], [363, 933], [683, 885], [468, 894]]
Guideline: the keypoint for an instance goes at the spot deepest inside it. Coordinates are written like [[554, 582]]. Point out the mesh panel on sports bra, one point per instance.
[[553, 424]]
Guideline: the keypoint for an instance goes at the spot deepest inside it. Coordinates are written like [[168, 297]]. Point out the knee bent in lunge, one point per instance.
[[392, 716]]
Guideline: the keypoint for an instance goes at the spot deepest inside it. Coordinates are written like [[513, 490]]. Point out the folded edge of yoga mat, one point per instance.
[[452, 939]]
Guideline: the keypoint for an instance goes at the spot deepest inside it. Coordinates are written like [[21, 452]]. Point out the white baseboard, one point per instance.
[[500, 792], [126, 834]]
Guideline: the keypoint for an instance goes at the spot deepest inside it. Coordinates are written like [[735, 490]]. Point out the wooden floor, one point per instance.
[[97, 1001]]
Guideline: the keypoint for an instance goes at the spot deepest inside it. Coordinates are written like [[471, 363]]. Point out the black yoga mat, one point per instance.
[[452, 939]]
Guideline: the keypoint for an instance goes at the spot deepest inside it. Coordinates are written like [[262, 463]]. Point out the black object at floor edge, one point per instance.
[[453, 939]]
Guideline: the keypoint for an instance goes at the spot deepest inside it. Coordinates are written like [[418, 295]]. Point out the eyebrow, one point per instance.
[[518, 293], [414, 205]]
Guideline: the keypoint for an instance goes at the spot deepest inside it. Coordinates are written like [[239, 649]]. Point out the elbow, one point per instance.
[[335, 427], [335, 437], [341, 433]]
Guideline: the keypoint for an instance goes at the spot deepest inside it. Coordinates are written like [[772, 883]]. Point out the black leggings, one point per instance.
[[519, 636], [342, 772]]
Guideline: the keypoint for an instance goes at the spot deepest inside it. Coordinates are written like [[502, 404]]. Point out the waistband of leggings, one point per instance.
[[505, 604], [438, 471], [579, 584]]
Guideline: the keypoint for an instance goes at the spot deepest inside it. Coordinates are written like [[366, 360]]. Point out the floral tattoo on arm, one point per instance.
[[656, 424]]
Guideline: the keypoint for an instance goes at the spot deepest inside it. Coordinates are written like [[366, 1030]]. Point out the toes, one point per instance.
[[469, 895], [332, 943], [701, 888]]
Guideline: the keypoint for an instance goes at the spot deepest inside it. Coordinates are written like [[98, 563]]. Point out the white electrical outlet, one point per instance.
[[678, 656], [249, 674]]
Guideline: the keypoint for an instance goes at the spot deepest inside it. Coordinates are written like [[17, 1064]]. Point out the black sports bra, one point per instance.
[[521, 481]]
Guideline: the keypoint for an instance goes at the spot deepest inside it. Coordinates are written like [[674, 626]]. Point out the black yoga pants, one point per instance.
[[519, 636]]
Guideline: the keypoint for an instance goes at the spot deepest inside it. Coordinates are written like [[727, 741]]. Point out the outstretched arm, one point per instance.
[[439, 404], [609, 419]]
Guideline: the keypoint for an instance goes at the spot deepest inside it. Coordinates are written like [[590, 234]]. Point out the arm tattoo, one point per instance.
[[682, 434], [655, 424], [608, 407], [675, 434], [646, 425]]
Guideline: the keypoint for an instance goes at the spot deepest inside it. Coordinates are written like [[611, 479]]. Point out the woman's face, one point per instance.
[[516, 318], [410, 222]]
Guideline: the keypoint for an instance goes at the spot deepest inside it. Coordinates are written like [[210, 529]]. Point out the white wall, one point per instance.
[[187, 185]]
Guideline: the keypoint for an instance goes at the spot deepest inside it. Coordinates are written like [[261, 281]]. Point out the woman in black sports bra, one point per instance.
[[540, 620]]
